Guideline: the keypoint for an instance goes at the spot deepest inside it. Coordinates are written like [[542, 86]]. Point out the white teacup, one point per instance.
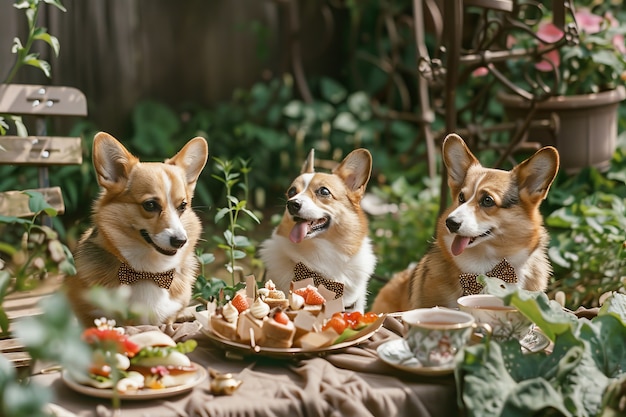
[[435, 335], [506, 321]]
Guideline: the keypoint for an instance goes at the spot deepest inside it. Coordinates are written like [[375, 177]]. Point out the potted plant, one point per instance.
[[579, 85]]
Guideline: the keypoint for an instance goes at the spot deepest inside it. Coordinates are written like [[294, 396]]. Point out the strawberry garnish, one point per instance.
[[302, 292], [281, 317], [337, 323], [314, 298], [240, 302], [367, 319]]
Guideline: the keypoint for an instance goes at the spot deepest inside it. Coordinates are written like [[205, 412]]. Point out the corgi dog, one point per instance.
[[324, 230], [144, 232], [493, 227]]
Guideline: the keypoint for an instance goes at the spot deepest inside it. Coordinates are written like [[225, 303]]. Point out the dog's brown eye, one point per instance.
[[291, 192], [461, 198], [487, 201], [182, 206], [151, 206], [323, 191]]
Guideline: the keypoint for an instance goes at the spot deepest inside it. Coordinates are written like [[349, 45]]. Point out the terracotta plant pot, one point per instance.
[[587, 126]]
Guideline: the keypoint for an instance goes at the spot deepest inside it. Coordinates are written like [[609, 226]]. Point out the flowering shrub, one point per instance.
[[593, 63]]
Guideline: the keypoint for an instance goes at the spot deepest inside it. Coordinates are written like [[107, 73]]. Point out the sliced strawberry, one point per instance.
[[337, 323], [314, 298], [302, 292], [352, 318], [281, 317], [367, 319], [240, 302]]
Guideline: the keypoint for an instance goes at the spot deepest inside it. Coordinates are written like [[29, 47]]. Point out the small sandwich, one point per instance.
[[161, 361]]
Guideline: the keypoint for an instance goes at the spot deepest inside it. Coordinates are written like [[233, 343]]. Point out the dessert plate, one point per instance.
[[246, 350], [396, 353], [142, 394]]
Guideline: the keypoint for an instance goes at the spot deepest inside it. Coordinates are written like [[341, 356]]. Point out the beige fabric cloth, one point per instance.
[[353, 382]]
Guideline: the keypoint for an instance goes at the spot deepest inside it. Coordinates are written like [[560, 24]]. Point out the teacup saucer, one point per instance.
[[396, 353]]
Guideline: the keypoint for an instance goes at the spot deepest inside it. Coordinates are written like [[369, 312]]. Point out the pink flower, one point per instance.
[[619, 43], [480, 72], [552, 56], [549, 33], [588, 22]]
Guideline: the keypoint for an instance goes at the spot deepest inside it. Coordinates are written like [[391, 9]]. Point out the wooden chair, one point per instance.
[[38, 151]]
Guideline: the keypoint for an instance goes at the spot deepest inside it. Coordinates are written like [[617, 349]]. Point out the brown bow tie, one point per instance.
[[503, 270], [301, 271], [128, 275]]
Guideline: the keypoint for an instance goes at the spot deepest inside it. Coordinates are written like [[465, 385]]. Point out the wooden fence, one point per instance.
[[120, 51]]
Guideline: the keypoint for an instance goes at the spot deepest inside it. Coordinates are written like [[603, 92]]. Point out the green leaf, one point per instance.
[[5, 281], [251, 215], [547, 314], [293, 109], [615, 305], [42, 35], [346, 122], [359, 104], [4, 320], [57, 4], [206, 258], [332, 91], [17, 46], [221, 213], [37, 203], [44, 66]]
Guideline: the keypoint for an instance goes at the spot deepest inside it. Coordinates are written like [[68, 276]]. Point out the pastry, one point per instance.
[[249, 328], [278, 331]]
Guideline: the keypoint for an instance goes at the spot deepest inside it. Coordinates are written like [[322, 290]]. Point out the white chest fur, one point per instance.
[[153, 303]]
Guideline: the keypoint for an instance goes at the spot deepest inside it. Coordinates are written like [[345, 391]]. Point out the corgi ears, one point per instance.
[[308, 167], [113, 162], [458, 158], [355, 169], [536, 174], [191, 158]]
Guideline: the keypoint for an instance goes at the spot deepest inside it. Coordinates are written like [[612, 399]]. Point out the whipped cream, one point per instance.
[[259, 309], [230, 313]]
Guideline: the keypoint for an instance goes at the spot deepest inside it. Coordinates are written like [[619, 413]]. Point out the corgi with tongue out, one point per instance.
[[493, 228], [324, 231]]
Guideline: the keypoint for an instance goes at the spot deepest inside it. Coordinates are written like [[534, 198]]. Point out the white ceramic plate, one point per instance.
[[142, 394], [397, 354], [246, 350]]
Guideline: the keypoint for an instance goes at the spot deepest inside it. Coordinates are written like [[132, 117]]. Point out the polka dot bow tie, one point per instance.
[[301, 271], [128, 275], [503, 270]]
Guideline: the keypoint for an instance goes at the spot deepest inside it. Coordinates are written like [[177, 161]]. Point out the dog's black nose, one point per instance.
[[177, 242], [294, 207], [452, 224]]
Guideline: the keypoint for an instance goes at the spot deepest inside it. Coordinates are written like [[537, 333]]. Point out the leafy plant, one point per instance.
[[38, 252], [585, 374], [23, 50], [593, 64], [588, 248], [51, 336], [235, 245]]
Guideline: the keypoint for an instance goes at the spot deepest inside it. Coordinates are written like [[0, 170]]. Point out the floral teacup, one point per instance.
[[435, 335], [506, 321]]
